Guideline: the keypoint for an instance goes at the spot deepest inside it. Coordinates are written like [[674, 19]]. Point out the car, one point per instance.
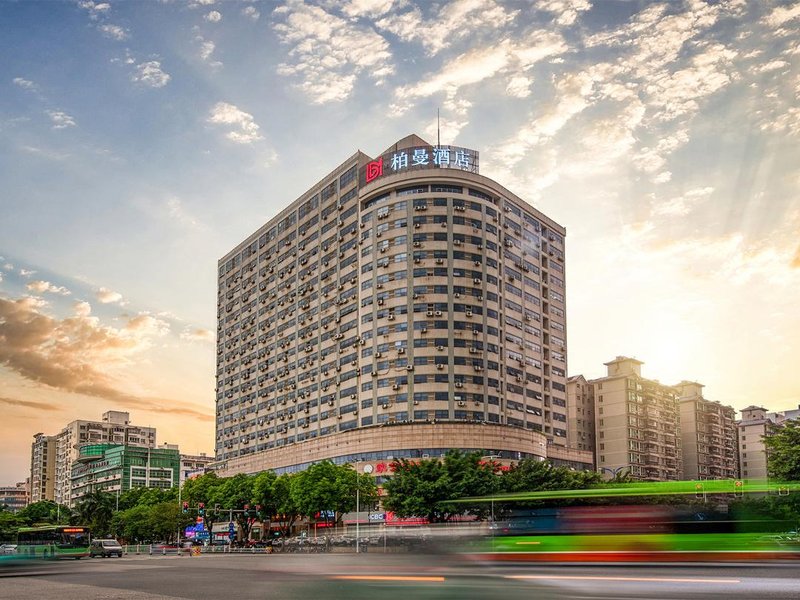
[[105, 548], [8, 549]]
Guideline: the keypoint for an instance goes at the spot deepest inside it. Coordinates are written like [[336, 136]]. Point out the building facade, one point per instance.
[[405, 291], [580, 411], [15, 497], [191, 465], [708, 435], [638, 424], [43, 467], [113, 428], [754, 426], [116, 469]]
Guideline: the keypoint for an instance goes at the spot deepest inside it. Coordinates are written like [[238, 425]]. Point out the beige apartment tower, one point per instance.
[[754, 426], [580, 410], [403, 306], [708, 435], [43, 467], [113, 428], [638, 424]]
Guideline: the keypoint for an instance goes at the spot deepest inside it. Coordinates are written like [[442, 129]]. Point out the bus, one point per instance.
[[627, 523], [53, 541]]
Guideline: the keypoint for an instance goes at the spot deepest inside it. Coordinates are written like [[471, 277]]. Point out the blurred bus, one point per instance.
[[53, 541]]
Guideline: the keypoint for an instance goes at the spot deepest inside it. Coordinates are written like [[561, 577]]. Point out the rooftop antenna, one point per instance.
[[438, 137]]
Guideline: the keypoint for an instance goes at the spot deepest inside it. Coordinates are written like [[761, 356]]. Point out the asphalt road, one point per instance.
[[383, 577]]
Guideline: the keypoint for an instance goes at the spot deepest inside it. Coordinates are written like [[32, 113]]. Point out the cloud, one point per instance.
[[26, 272], [251, 12], [107, 296], [82, 308], [114, 32], [178, 214], [328, 53], [41, 287], [27, 404], [61, 120], [25, 84], [566, 11], [213, 16], [245, 129], [8, 266], [681, 206], [198, 335], [367, 8], [73, 354], [95, 8], [207, 48], [149, 73], [456, 20], [782, 15]]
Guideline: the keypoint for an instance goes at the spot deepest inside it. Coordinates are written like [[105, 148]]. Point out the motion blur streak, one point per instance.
[[387, 578], [599, 578]]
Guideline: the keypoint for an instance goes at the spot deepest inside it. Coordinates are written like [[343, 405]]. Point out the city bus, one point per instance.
[[53, 541], [629, 523]]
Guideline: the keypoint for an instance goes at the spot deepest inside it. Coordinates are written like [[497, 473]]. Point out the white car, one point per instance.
[[8, 549]]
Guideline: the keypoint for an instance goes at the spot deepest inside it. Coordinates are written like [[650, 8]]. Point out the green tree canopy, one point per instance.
[[45, 512], [326, 487], [783, 452], [533, 475], [424, 488], [233, 493]]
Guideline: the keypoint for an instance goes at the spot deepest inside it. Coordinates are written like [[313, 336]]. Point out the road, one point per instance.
[[383, 577]]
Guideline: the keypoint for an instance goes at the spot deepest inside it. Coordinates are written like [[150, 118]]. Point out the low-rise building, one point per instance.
[[15, 497], [754, 426], [116, 469], [580, 410]]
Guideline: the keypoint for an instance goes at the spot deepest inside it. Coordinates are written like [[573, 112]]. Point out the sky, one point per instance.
[[141, 141]]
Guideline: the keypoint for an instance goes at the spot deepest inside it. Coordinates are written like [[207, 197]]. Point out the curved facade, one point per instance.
[[428, 296]]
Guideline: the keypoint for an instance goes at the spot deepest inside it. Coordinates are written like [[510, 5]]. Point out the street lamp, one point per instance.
[[613, 471], [367, 470]]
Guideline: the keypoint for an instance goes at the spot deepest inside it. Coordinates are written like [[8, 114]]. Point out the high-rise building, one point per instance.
[[754, 426], [638, 424], [580, 411], [43, 467], [403, 306], [115, 469], [114, 428], [708, 435]]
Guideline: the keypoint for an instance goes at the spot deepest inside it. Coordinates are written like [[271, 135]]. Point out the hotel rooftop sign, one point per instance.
[[420, 157]]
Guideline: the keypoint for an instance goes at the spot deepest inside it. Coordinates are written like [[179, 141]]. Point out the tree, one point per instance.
[[45, 512], [426, 488], [234, 493], [533, 475], [329, 488], [96, 509], [203, 489], [783, 452], [286, 510]]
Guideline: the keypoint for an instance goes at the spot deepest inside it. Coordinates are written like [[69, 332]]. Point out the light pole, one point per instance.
[[367, 470]]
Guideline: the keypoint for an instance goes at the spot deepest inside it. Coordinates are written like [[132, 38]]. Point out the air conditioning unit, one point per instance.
[[459, 384], [440, 366], [395, 387], [410, 368], [401, 350], [440, 348]]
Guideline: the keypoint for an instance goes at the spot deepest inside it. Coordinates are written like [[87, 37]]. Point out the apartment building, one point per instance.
[[43, 467], [754, 426], [114, 428], [580, 411], [404, 305], [708, 435], [638, 424]]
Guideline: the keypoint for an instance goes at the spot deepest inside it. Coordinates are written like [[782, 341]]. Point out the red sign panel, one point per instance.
[[374, 169]]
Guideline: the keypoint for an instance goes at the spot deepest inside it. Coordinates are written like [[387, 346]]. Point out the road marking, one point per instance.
[[606, 578], [388, 578]]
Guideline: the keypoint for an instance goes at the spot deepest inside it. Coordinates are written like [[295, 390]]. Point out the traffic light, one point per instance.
[[698, 491], [258, 510], [186, 507], [738, 488], [216, 508], [201, 509]]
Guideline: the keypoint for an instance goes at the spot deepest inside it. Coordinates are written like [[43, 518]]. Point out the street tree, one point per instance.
[[286, 510], [96, 509], [45, 512], [426, 488], [233, 494], [203, 489], [783, 452], [326, 488]]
